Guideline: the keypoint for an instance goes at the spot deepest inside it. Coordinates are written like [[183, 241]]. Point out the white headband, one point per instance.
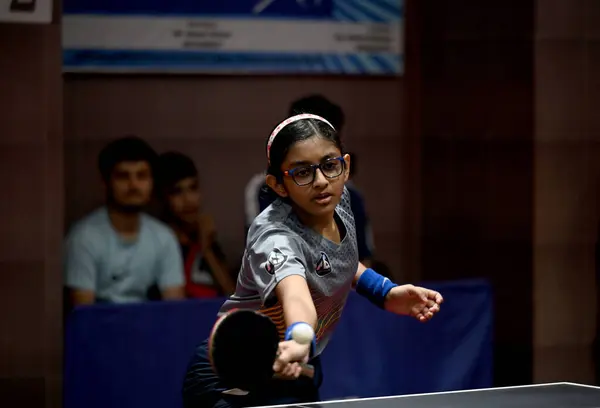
[[287, 122]]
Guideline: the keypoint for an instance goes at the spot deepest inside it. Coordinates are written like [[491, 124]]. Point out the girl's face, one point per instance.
[[314, 176], [185, 200]]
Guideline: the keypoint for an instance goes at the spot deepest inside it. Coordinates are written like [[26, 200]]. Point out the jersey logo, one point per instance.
[[323, 266], [275, 261]]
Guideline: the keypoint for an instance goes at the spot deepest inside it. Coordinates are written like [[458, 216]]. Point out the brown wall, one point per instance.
[[31, 216], [567, 73], [477, 158], [510, 175]]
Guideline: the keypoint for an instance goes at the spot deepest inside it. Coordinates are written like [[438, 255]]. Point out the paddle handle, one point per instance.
[[307, 371]]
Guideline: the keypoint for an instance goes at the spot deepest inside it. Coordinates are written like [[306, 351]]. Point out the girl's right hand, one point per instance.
[[289, 355]]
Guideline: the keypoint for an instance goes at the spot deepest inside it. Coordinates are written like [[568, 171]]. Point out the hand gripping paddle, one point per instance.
[[242, 347]]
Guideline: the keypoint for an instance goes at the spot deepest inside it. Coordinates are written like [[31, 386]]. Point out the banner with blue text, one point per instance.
[[340, 37]]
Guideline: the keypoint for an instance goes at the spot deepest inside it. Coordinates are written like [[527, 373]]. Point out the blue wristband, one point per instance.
[[374, 287], [288, 336]]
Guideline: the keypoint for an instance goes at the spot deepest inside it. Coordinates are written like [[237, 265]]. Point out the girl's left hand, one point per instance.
[[415, 301]]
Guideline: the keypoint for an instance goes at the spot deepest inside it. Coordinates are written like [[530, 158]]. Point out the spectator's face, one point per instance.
[[130, 185], [185, 200]]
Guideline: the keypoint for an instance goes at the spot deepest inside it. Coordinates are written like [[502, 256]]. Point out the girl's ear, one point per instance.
[[275, 186], [347, 160]]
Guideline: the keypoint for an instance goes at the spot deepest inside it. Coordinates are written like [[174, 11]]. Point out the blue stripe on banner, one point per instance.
[[358, 64], [391, 7], [371, 10], [341, 15], [374, 11], [298, 9], [396, 62], [384, 63], [364, 13], [329, 66], [321, 66], [335, 61], [340, 61], [157, 61], [399, 4], [369, 63], [355, 15]]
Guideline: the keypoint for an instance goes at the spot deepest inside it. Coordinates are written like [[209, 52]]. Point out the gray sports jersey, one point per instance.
[[278, 246]]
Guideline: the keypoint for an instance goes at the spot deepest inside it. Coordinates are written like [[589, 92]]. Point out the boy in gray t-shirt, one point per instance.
[[300, 263]]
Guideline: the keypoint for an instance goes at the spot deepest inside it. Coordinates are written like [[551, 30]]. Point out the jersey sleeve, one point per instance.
[[274, 256]]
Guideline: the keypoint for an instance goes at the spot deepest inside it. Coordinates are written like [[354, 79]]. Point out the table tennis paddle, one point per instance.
[[243, 346]]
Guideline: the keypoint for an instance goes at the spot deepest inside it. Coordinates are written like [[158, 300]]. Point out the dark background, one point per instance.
[[481, 161]]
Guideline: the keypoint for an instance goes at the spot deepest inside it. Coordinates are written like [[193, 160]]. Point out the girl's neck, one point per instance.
[[324, 225], [126, 225], [123, 222]]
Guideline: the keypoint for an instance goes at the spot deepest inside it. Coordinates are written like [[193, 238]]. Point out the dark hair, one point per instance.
[[173, 167], [127, 148], [354, 159], [291, 134], [318, 104]]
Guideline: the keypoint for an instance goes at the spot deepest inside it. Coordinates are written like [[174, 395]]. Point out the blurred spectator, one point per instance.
[[206, 271], [118, 253], [382, 269], [256, 202], [364, 233]]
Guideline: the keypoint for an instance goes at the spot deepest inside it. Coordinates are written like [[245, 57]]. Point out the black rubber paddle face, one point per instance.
[[244, 348]]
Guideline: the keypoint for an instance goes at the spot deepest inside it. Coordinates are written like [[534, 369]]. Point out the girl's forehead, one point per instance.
[[312, 150]]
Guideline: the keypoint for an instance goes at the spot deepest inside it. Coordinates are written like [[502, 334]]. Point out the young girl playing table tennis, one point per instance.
[[300, 263]]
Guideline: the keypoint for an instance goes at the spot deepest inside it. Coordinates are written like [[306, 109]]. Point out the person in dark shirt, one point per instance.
[[206, 271], [364, 233]]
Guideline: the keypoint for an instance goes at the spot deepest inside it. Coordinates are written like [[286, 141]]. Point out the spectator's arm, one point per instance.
[[216, 260], [171, 281], [80, 271], [81, 297], [173, 293]]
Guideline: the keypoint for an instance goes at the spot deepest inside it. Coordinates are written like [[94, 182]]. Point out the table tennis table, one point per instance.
[[554, 395]]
